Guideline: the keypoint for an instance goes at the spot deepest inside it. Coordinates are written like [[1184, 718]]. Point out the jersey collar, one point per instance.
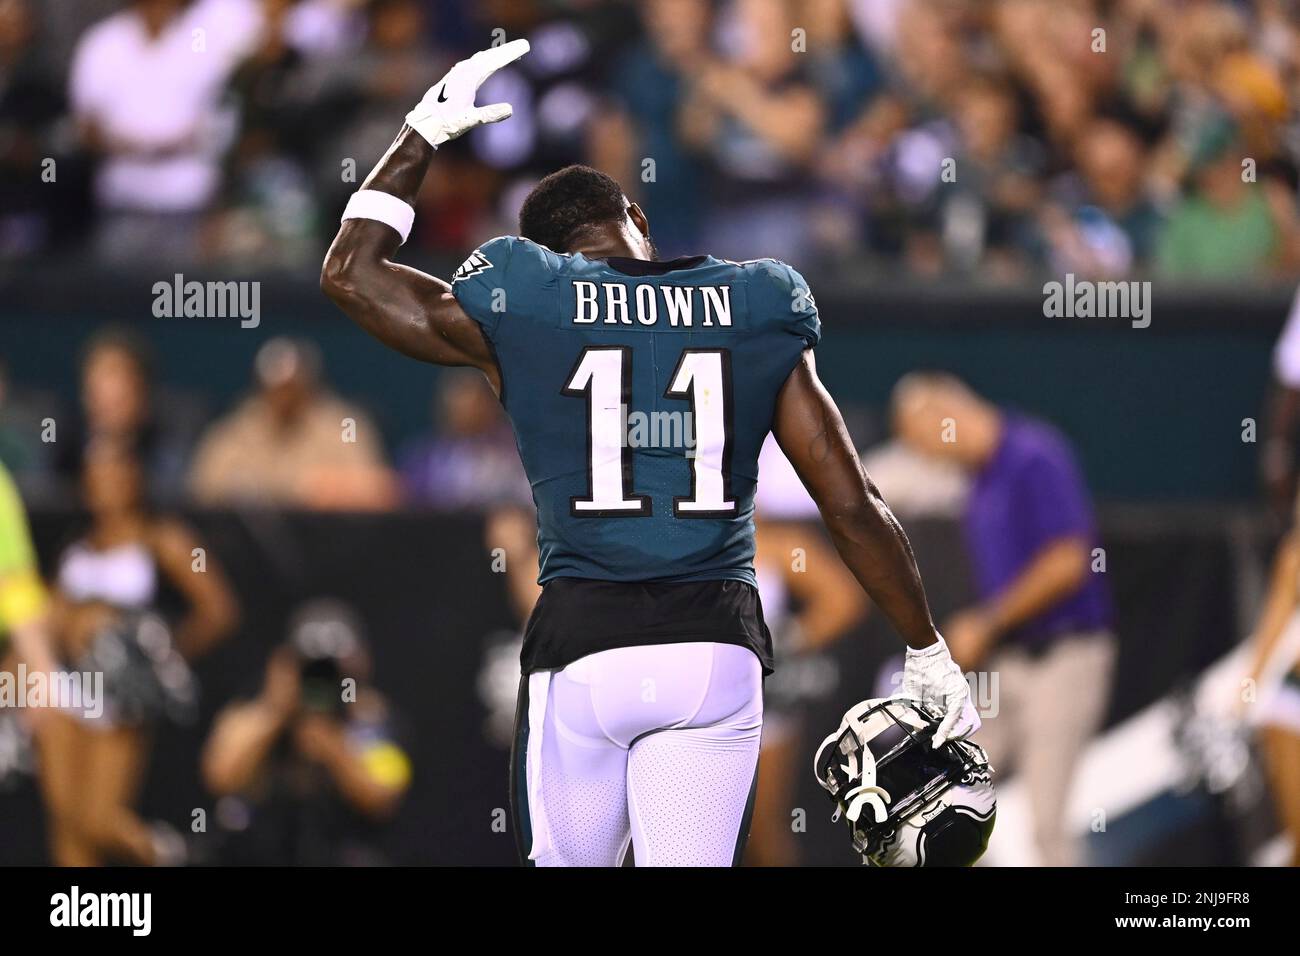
[[644, 267]]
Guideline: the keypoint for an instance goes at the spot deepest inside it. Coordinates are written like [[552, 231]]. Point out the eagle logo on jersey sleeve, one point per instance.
[[475, 264]]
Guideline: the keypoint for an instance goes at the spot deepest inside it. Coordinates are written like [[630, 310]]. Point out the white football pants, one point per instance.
[[656, 745]]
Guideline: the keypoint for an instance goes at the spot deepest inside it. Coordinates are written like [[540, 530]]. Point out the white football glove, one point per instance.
[[448, 109], [931, 676]]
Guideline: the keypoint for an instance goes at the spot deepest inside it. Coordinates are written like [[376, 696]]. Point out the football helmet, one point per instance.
[[906, 802]]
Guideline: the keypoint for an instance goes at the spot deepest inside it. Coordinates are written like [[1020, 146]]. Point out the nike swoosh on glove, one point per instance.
[[448, 109], [931, 676]]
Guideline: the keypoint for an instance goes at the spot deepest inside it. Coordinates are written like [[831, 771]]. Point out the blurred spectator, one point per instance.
[[987, 216], [470, 461], [1043, 624], [292, 443], [370, 89], [146, 88], [24, 634], [916, 484], [888, 160], [307, 768], [106, 622], [510, 540], [391, 70], [33, 206], [23, 625], [1227, 227], [649, 83], [268, 211], [324, 27], [118, 405], [845, 73], [1103, 223], [309, 103], [755, 117], [513, 530]]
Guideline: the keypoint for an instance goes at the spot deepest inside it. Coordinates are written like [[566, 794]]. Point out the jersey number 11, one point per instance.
[[603, 376]]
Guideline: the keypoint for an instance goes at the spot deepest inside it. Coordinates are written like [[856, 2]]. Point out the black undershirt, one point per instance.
[[575, 617]]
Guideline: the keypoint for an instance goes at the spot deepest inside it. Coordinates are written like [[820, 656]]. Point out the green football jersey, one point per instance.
[[640, 394]]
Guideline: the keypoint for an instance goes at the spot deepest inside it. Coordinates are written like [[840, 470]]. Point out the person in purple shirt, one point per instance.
[[1042, 624]]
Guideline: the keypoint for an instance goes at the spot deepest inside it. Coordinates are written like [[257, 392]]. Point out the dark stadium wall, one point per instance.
[[1156, 413]]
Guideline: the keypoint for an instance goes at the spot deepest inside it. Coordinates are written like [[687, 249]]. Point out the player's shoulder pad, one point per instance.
[[505, 270], [778, 292], [509, 253]]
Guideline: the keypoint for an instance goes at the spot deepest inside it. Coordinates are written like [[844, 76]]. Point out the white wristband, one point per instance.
[[382, 207]]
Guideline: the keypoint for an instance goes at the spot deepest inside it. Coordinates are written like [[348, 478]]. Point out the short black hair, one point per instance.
[[566, 203]]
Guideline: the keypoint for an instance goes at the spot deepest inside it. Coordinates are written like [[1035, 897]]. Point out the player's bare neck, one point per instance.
[[605, 241], [611, 250]]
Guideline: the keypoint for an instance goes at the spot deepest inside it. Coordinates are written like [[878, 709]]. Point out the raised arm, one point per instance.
[[404, 308], [811, 432]]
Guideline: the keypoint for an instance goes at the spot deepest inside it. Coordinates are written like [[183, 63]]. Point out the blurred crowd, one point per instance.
[[291, 441], [994, 139]]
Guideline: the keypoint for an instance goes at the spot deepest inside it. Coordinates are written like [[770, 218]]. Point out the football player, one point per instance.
[[641, 704]]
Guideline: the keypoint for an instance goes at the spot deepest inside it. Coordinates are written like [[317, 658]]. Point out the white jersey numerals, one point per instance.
[[703, 377], [603, 376]]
